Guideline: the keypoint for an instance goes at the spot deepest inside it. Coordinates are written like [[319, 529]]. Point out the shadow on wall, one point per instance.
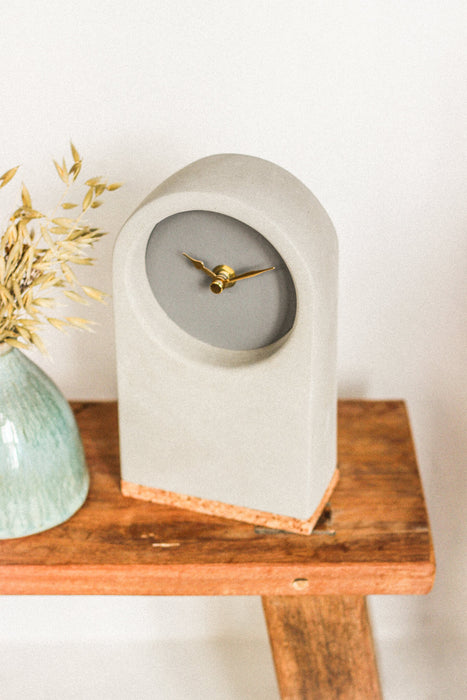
[[353, 388]]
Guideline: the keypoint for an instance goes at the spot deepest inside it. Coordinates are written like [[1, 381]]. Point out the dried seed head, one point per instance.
[[28, 269]]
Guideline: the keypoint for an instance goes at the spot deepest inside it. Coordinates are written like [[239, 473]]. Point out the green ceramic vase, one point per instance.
[[43, 474]]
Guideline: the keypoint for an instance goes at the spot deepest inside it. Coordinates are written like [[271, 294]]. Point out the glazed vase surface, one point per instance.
[[43, 474]]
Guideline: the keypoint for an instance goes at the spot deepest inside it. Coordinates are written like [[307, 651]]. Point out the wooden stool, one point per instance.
[[373, 538]]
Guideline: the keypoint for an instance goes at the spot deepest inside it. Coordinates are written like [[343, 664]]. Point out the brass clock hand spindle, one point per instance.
[[226, 277]]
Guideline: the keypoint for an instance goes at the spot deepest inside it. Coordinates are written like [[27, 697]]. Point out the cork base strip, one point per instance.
[[225, 510]]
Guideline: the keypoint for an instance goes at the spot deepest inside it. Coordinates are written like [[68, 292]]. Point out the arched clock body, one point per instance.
[[225, 287]]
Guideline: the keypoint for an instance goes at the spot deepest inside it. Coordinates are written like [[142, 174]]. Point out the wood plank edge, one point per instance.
[[218, 579]]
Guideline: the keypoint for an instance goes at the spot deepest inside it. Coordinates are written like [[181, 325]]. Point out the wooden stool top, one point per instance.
[[373, 538]]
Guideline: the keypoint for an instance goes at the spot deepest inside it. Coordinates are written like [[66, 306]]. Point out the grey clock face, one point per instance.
[[251, 314]]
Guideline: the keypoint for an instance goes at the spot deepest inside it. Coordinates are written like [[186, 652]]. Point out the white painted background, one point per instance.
[[366, 103]]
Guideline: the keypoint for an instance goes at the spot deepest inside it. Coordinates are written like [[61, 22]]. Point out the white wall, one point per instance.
[[366, 103]]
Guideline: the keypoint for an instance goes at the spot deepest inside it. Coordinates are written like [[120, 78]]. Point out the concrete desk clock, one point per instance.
[[225, 286]]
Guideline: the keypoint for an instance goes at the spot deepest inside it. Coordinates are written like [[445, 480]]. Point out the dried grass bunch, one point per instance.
[[37, 253]]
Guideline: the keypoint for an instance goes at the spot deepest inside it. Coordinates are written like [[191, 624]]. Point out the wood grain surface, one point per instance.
[[373, 537], [322, 647]]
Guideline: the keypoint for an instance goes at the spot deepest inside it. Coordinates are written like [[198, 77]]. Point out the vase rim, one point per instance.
[[5, 349]]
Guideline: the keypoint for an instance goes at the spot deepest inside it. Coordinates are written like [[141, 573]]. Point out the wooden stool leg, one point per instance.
[[322, 647]]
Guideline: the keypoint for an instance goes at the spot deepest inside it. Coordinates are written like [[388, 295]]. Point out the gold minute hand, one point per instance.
[[200, 266], [247, 275]]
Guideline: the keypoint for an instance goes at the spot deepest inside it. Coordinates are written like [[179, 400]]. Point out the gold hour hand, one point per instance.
[[200, 265], [247, 275], [223, 276]]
